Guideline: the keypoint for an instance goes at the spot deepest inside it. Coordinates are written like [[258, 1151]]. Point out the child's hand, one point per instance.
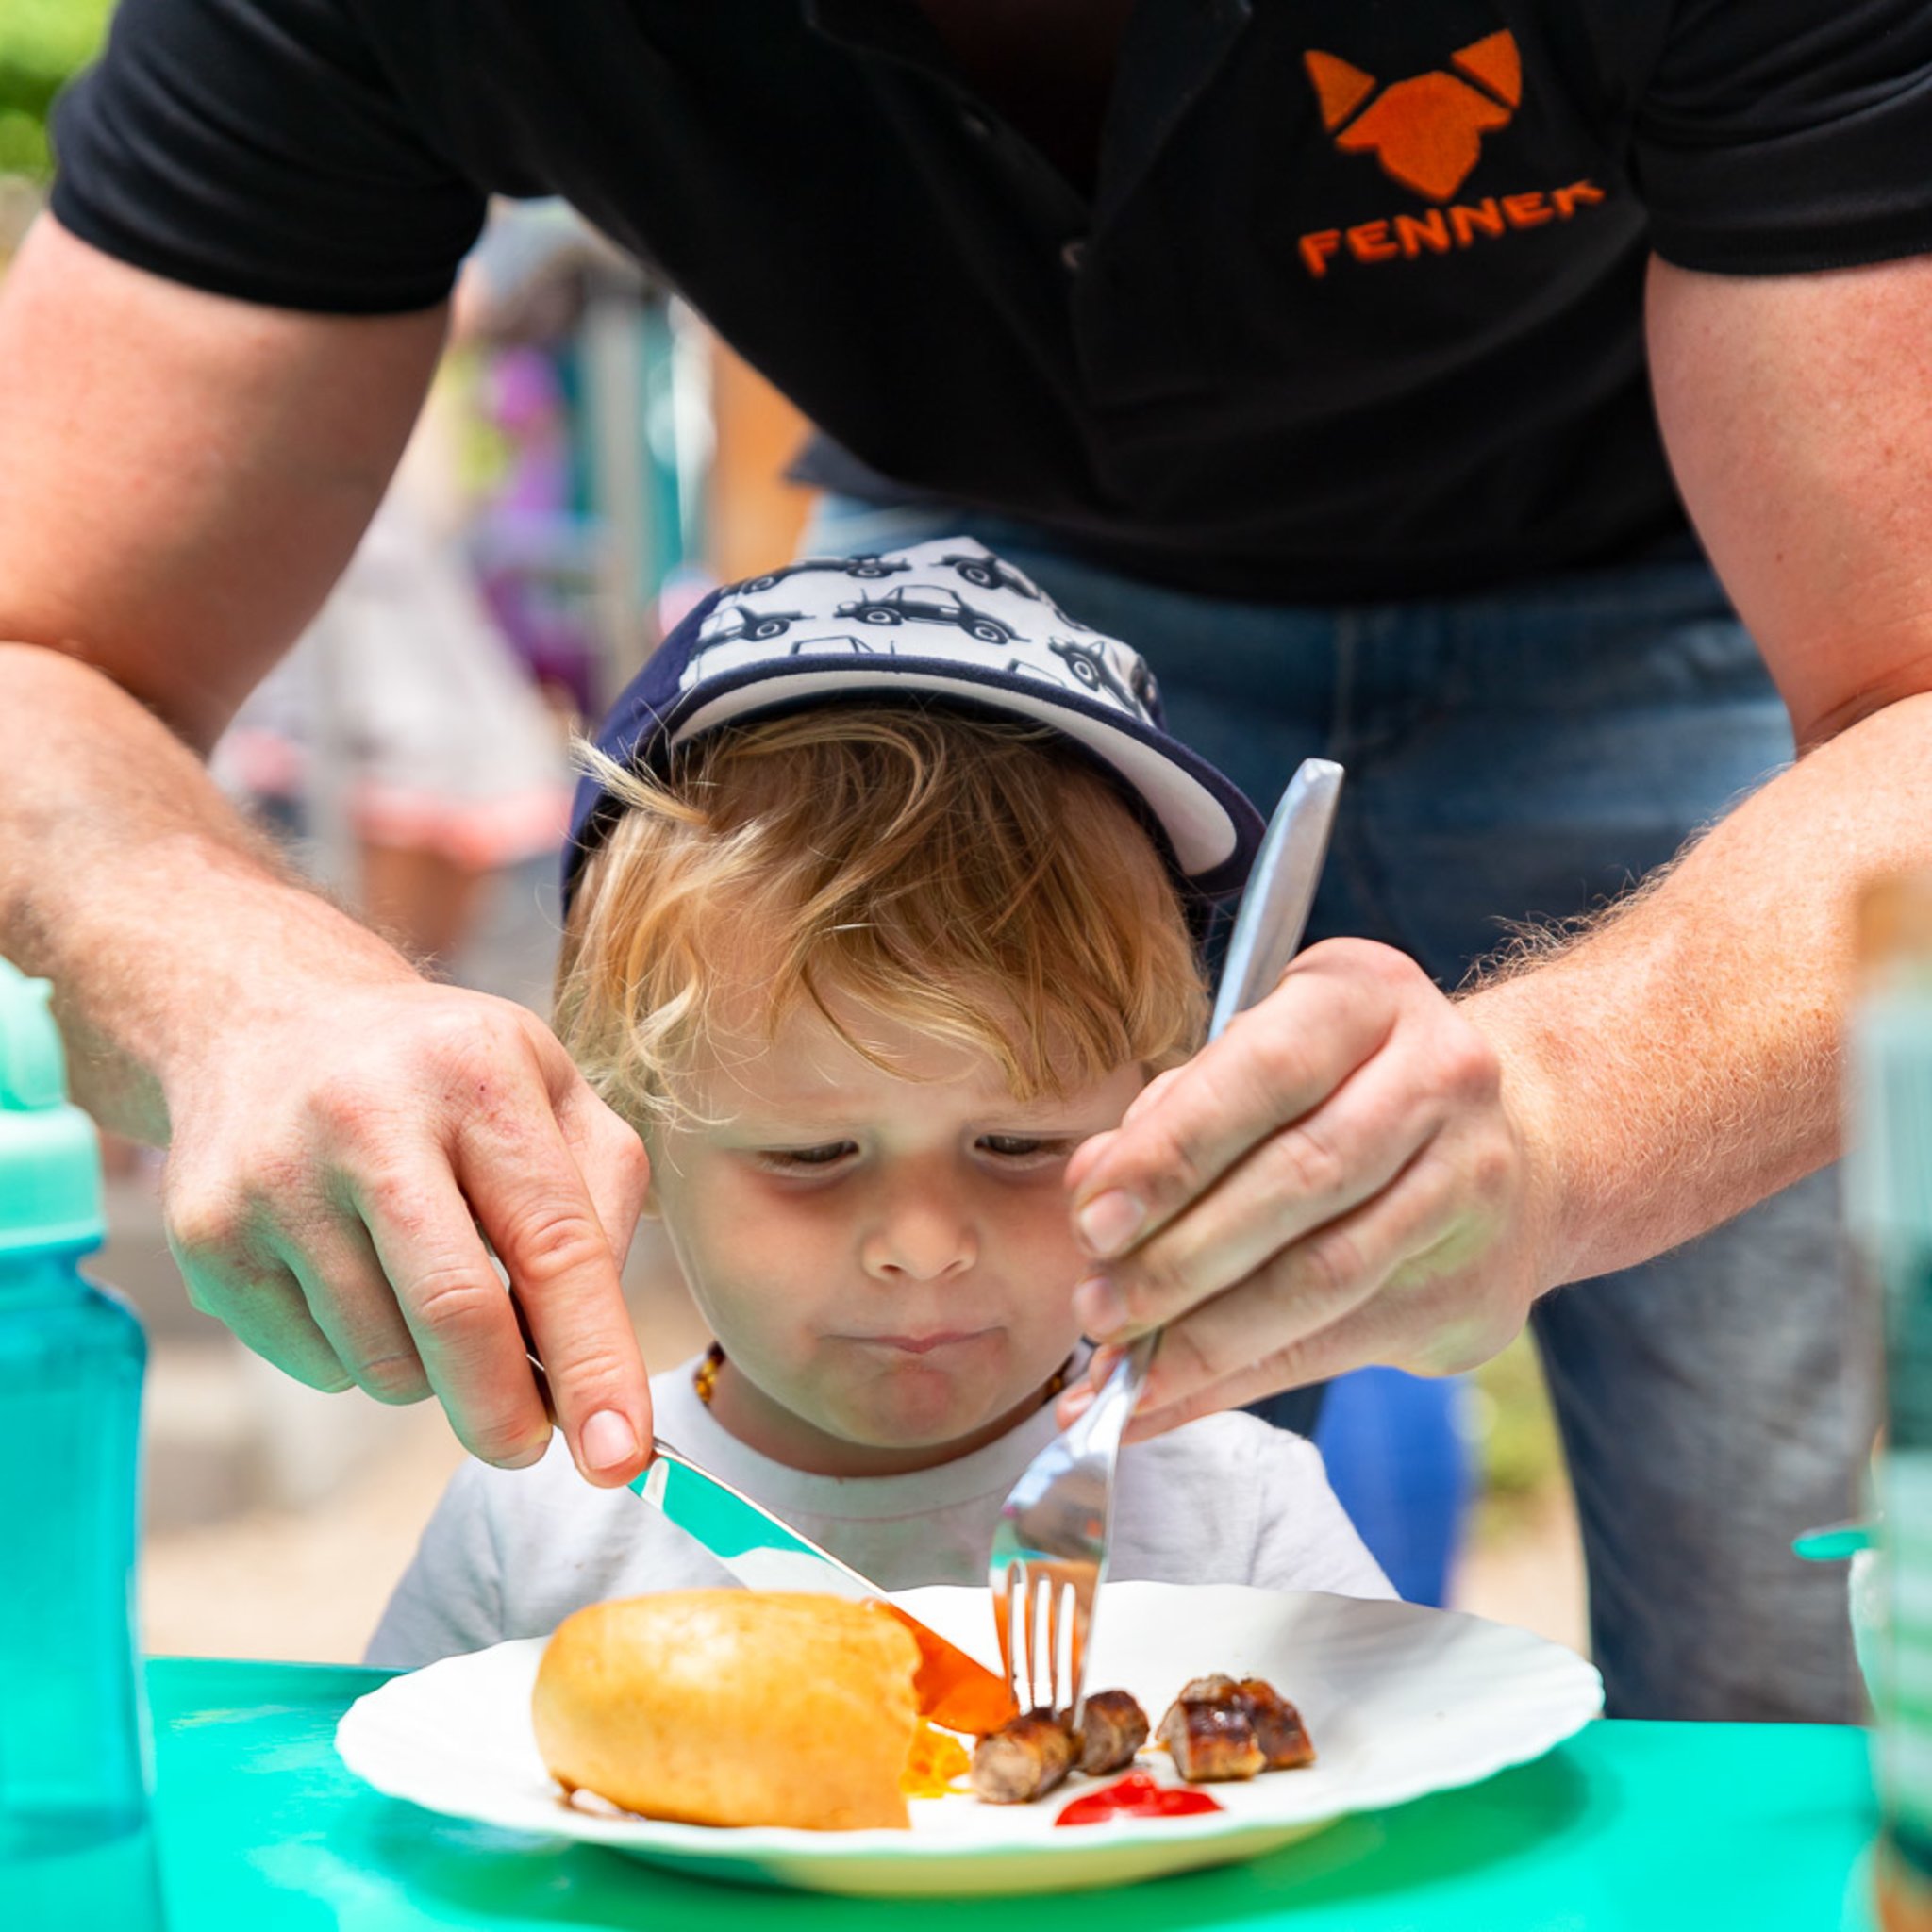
[[330, 1169], [1335, 1181]]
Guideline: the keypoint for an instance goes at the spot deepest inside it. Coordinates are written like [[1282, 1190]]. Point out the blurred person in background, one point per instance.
[[406, 702]]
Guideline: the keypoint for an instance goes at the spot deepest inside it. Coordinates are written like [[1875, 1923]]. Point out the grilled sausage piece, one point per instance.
[[1112, 1728], [1278, 1728], [1022, 1760], [1211, 1733], [1218, 1689]]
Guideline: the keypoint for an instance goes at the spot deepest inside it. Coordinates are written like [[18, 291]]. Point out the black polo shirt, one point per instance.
[[1353, 310]]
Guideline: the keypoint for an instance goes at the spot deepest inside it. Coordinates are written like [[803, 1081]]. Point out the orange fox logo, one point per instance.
[[1427, 131]]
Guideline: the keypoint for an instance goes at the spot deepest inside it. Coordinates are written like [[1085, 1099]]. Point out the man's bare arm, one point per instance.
[[185, 477], [1690, 1051], [1361, 1171]]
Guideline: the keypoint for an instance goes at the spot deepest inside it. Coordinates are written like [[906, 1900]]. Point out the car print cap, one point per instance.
[[944, 622]]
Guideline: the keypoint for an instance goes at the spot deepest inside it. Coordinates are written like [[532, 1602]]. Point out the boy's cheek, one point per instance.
[[1043, 1242]]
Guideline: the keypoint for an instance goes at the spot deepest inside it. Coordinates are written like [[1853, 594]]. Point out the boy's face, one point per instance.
[[888, 1262]]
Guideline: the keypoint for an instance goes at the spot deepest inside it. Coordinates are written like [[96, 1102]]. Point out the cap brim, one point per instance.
[[1213, 829]]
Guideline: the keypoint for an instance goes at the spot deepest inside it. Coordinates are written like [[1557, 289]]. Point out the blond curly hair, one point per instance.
[[972, 877]]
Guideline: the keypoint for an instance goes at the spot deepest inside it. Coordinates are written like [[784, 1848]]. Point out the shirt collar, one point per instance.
[[1168, 54]]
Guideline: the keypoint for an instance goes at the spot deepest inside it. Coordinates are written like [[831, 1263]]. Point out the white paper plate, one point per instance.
[[1399, 1700]]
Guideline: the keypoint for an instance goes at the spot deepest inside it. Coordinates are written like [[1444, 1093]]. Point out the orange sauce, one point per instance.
[[952, 1689], [933, 1761]]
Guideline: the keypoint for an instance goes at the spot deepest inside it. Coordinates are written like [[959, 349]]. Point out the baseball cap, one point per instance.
[[944, 622]]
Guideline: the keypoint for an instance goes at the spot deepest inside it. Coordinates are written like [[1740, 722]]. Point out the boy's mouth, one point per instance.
[[923, 1344]]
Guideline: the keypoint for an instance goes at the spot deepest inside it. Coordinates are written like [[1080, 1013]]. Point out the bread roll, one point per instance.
[[731, 1706]]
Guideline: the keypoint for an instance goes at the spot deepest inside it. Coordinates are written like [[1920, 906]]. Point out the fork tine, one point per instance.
[[1075, 1686], [1042, 1599], [1042, 1607], [1062, 1632], [1042, 1604], [1030, 1612], [1016, 1633], [1003, 1622], [1083, 1613], [1023, 1638], [1054, 1591]]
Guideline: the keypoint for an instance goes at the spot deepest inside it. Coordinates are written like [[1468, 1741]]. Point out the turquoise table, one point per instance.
[[1629, 1828]]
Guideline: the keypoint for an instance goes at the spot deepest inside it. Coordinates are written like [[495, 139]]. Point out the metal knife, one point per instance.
[[762, 1550]]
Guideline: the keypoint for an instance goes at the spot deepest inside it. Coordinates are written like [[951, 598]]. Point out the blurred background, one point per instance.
[[590, 462]]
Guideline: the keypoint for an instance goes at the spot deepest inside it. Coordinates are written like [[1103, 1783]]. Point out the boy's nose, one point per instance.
[[919, 1241]]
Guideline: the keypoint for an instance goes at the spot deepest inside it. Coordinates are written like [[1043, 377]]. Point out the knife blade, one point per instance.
[[764, 1552]]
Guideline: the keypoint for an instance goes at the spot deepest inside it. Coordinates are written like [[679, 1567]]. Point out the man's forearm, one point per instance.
[[128, 880], [1682, 1060], [186, 476]]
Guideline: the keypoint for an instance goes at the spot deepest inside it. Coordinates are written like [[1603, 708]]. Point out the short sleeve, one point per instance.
[[1783, 136], [261, 149], [1304, 1539], [450, 1599], [1232, 1499]]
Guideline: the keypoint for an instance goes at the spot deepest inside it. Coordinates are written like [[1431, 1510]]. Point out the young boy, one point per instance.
[[883, 895]]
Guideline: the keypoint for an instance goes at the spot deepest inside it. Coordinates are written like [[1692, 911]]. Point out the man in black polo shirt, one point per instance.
[[1312, 341]]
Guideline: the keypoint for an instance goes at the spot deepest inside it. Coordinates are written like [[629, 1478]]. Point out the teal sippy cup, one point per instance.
[[74, 1757]]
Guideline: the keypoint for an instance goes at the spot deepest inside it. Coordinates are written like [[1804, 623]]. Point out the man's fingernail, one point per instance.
[[1109, 1221], [1098, 1304], [608, 1439]]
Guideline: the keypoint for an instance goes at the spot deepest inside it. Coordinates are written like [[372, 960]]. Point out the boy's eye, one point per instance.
[[794, 1159], [1022, 1146]]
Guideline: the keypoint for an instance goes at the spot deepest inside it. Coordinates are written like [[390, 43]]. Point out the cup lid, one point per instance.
[[50, 1161]]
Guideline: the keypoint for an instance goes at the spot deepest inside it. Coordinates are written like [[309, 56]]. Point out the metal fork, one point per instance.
[[1049, 1547]]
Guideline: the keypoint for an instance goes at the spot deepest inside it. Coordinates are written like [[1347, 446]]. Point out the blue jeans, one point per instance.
[[1521, 755]]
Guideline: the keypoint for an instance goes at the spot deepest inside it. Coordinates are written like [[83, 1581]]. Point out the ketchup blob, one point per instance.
[[1134, 1796]]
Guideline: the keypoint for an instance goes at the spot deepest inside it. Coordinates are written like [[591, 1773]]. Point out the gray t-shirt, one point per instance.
[[510, 1553]]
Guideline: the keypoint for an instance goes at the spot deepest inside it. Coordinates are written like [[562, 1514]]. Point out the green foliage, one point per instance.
[[43, 44]]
